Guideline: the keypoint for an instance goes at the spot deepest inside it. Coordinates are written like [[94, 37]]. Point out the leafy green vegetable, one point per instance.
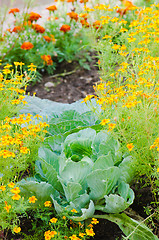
[[86, 172], [81, 167]]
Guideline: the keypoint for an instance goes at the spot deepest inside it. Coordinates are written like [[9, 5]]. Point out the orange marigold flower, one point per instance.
[[47, 59], [130, 146], [14, 10], [127, 4], [32, 199], [84, 23], [73, 15], [97, 24], [84, 1], [33, 16], [38, 28], [47, 38], [17, 29], [52, 8], [27, 45], [65, 28], [122, 11]]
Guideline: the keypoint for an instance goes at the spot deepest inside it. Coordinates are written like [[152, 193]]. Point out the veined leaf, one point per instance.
[[101, 182], [86, 213], [133, 229]]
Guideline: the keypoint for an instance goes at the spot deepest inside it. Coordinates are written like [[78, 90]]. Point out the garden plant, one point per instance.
[[61, 38], [60, 176]]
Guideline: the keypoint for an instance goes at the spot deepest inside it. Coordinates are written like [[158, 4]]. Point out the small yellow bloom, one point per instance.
[[7, 208], [90, 232], [47, 204], [81, 234], [11, 185], [64, 217], [116, 47], [3, 188], [74, 210], [130, 146], [105, 121], [94, 221], [16, 197], [17, 229], [53, 220], [32, 199], [15, 190], [157, 169], [74, 237]]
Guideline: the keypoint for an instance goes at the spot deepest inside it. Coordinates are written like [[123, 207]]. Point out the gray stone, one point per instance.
[[49, 84]]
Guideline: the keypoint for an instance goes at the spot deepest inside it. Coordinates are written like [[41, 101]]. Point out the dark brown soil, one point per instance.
[[69, 83]]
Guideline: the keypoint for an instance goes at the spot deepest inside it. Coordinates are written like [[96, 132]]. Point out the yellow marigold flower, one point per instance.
[[111, 126], [6, 71], [106, 37], [131, 39], [47, 204], [15, 190], [87, 98], [53, 220], [130, 146], [16, 197], [94, 221], [64, 217], [90, 232], [53, 233], [24, 150], [81, 234], [7, 208], [116, 47], [17, 229], [32, 199], [74, 210], [74, 237], [11, 185], [3, 188], [123, 30], [105, 121]]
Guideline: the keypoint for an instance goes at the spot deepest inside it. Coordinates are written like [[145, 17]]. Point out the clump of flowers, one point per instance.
[[43, 40], [19, 135], [128, 89], [27, 46]]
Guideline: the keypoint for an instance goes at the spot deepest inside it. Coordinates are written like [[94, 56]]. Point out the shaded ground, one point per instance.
[[69, 83]]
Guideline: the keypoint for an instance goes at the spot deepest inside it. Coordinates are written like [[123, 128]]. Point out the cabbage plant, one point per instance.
[[86, 171], [90, 174]]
